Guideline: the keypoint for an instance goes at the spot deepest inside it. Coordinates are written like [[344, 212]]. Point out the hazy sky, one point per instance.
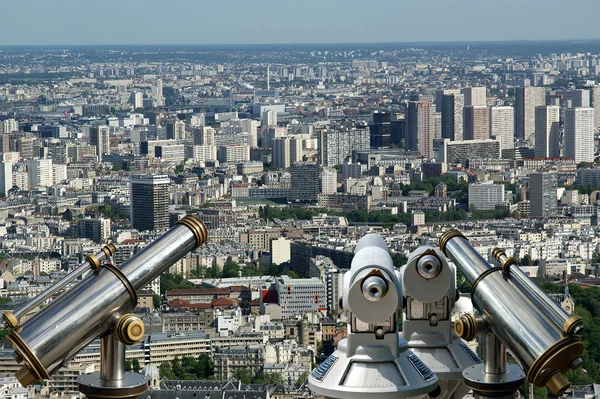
[[289, 21]]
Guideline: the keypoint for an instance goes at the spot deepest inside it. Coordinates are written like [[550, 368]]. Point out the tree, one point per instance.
[[166, 371], [135, 365], [230, 269], [301, 379], [268, 378], [526, 261], [156, 301], [245, 306], [170, 282], [292, 274], [243, 375], [398, 259]]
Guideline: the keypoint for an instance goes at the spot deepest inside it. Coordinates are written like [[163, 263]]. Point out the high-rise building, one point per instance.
[[233, 153], [150, 202], [547, 131], [527, 98], [40, 173], [502, 126], [97, 230], [476, 122], [175, 130], [380, 129], [579, 134], [137, 99], [542, 195], [595, 103], [475, 96], [6, 177], [328, 181], [203, 135], [580, 99], [306, 182], [418, 127], [100, 137], [9, 126], [286, 151], [269, 118], [439, 94], [337, 144], [452, 116]]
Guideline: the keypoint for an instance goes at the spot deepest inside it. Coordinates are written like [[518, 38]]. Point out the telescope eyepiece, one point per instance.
[[429, 266], [374, 288]]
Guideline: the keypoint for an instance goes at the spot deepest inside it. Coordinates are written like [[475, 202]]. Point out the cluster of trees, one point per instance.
[[188, 368], [360, 216], [232, 269], [583, 189], [245, 377], [587, 306]]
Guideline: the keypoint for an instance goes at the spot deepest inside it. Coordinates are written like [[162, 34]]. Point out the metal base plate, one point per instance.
[[493, 384], [94, 388]]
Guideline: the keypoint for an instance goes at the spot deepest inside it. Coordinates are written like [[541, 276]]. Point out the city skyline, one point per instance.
[[137, 22]]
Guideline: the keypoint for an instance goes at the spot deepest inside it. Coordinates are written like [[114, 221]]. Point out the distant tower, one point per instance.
[[268, 77]]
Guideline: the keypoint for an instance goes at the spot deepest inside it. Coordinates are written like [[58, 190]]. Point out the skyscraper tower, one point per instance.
[[547, 131], [380, 129], [476, 96], [542, 188], [418, 127], [476, 122], [502, 126], [306, 182], [100, 137], [579, 134], [150, 202], [452, 116], [268, 77], [527, 98]]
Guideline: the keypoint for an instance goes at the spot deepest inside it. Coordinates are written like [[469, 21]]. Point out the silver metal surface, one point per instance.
[[84, 313], [374, 288], [494, 355], [59, 285], [557, 315], [525, 331], [112, 361], [429, 266]]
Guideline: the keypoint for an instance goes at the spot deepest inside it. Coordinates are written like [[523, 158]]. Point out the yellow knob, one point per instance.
[[129, 329]]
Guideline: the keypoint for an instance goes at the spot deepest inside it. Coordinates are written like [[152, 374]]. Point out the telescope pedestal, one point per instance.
[[494, 378], [112, 382]]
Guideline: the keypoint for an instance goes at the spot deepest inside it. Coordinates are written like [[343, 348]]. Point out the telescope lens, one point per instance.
[[374, 288], [429, 266]]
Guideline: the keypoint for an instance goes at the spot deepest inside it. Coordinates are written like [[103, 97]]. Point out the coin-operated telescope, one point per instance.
[[516, 316], [430, 293], [100, 307], [92, 261], [373, 360]]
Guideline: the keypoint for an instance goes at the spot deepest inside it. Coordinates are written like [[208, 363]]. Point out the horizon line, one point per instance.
[[497, 41]]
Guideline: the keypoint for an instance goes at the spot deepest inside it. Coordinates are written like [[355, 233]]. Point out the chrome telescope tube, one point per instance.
[[559, 317], [542, 349], [99, 305], [11, 319]]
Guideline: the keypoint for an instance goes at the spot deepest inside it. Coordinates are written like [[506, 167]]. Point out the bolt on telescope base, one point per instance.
[[131, 387]]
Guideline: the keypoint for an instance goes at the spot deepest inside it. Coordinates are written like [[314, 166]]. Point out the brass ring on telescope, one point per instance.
[[446, 236], [573, 325], [93, 261], [507, 263], [119, 274], [558, 359], [481, 277], [10, 319], [497, 253], [36, 367], [197, 227], [466, 327], [109, 250]]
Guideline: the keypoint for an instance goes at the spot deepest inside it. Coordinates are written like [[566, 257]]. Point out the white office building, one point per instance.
[[486, 196], [502, 126], [579, 134]]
